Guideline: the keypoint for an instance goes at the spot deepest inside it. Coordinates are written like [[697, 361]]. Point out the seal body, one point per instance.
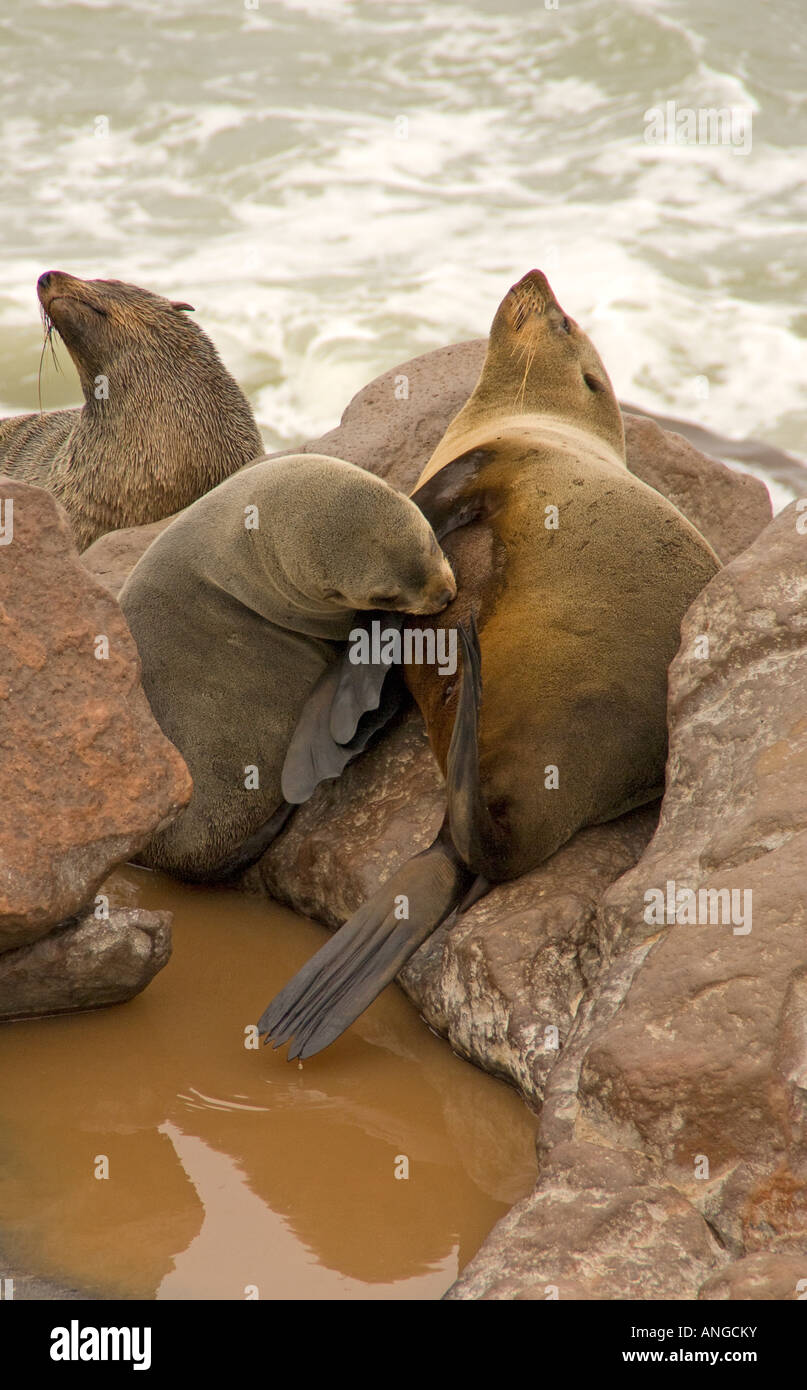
[[573, 577], [238, 607], [578, 575], [163, 421]]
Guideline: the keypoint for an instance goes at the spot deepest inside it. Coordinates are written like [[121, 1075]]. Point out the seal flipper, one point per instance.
[[313, 754], [478, 837], [440, 497], [359, 685], [351, 969]]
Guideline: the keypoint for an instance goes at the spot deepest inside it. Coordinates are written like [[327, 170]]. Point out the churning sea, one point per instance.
[[337, 185]]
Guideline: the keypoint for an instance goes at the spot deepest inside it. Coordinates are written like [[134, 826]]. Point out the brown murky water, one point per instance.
[[233, 1173]]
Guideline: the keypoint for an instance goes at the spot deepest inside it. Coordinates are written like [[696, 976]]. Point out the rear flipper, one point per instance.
[[347, 974]]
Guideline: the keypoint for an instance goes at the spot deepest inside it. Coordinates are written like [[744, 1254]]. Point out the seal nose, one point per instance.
[[44, 280]]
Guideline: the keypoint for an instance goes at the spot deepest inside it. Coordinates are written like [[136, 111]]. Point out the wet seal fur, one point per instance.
[[573, 577], [162, 421], [238, 608]]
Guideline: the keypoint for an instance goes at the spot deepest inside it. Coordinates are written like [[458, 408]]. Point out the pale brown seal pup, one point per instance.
[[238, 607], [162, 421], [578, 575]]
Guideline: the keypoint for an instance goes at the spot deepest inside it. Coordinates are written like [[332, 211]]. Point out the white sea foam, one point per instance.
[[338, 185]]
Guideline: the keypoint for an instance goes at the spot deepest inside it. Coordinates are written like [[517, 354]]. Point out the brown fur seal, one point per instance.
[[162, 422], [579, 575], [238, 607]]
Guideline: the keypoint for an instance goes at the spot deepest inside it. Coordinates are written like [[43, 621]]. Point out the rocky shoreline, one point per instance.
[[667, 1054]]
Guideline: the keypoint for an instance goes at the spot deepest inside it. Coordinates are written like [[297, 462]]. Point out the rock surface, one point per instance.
[[392, 426], [689, 1054], [85, 963], [87, 774]]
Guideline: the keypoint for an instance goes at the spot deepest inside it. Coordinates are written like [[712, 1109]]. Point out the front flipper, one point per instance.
[[479, 839], [363, 703], [443, 499], [359, 685], [351, 969]]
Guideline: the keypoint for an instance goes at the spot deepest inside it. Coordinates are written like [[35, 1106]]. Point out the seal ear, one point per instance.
[[177, 304]]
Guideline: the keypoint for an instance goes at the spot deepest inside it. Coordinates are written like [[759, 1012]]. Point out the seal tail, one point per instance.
[[347, 974]]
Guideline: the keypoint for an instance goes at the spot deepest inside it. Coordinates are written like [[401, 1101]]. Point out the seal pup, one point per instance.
[[573, 577], [238, 607], [162, 421]]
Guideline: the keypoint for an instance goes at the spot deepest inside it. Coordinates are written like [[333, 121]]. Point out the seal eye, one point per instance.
[[592, 382], [566, 326]]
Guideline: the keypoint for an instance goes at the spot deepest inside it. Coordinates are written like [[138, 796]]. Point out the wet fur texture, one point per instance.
[[174, 425], [235, 625]]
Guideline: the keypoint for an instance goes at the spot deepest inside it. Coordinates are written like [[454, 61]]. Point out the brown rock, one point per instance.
[[780, 1277], [87, 774], [723, 1001], [691, 1048], [596, 1227], [85, 963]]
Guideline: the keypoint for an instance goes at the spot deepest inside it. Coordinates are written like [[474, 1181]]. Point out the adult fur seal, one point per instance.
[[162, 422], [578, 575], [238, 607]]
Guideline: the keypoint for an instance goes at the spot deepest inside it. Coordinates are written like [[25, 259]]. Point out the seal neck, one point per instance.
[[533, 430]]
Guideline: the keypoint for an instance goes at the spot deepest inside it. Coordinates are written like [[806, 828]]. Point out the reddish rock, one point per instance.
[[599, 1226], [779, 1277], [87, 774], [690, 1051]]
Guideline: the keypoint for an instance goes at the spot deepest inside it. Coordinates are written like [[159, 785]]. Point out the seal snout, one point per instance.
[[50, 284], [530, 296], [440, 593]]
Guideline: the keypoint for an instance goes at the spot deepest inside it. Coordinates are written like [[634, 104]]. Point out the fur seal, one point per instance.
[[573, 577], [162, 421], [238, 607]]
